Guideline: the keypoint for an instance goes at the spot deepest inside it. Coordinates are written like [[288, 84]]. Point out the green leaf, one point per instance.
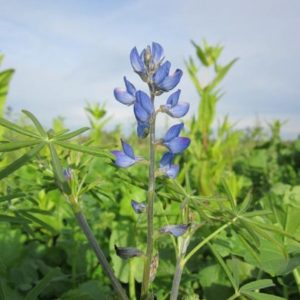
[[11, 197], [222, 71], [11, 146], [5, 77], [36, 123], [201, 54], [228, 194], [42, 284], [262, 296], [257, 285], [21, 161], [84, 149], [71, 134], [17, 128], [58, 170], [13, 220]]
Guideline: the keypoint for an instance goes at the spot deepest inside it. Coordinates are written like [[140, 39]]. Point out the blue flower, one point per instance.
[[137, 63], [172, 140], [163, 80], [125, 97], [125, 158], [143, 110], [166, 166], [68, 174], [174, 109], [176, 230], [138, 207], [157, 53], [128, 252]]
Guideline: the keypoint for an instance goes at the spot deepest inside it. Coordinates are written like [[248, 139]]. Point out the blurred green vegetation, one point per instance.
[[244, 185]]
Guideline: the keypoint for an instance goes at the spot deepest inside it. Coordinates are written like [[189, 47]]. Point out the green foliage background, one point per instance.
[[239, 189]]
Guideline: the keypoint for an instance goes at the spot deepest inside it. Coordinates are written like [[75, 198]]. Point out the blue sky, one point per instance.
[[67, 52]]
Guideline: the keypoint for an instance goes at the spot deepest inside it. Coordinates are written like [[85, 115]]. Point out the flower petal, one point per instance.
[[166, 159], [179, 110], [173, 98], [129, 87], [136, 61], [143, 130], [145, 101], [176, 230], [171, 171], [162, 72], [128, 252], [140, 113], [68, 174], [122, 160], [127, 149], [178, 144], [157, 53], [138, 207], [171, 81], [173, 132], [123, 96]]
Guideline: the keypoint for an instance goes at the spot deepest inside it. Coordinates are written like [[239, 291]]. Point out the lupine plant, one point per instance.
[[223, 250], [154, 70]]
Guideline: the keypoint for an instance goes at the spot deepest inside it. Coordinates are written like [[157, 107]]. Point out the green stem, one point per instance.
[[179, 268], [206, 240], [151, 196], [131, 281], [100, 255]]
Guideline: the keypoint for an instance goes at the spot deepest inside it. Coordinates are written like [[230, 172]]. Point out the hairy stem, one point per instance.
[[100, 255], [151, 196], [179, 268]]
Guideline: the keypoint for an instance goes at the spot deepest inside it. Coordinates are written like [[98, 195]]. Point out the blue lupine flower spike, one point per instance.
[[128, 252], [125, 97], [166, 167], [125, 158], [176, 230], [138, 207], [174, 109]]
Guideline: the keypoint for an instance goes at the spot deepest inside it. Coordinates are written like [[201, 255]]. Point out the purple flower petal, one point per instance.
[[171, 171], [166, 159], [162, 72], [178, 144], [123, 96], [145, 101], [176, 230], [157, 53], [138, 207], [140, 113], [179, 110], [127, 149], [173, 132], [136, 61], [171, 81], [173, 98], [143, 130], [128, 252], [68, 174], [129, 87], [122, 160]]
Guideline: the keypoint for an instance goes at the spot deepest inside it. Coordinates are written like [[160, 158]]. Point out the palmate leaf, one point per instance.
[[70, 135], [11, 146], [21, 161], [18, 129], [36, 123], [84, 149]]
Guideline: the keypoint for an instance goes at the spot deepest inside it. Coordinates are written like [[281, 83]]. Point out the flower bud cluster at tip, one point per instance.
[[152, 68]]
